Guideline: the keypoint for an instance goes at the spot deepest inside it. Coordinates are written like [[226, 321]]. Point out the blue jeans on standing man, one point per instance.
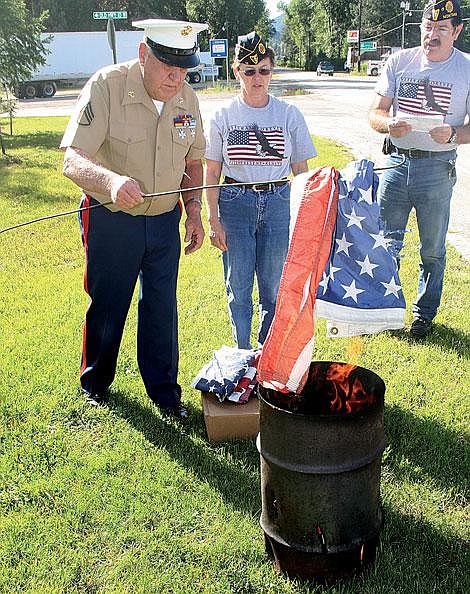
[[257, 230], [425, 184]]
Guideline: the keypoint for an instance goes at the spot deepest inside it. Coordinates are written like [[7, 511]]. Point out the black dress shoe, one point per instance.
[[95, 399], [420, 328], [178, 412]]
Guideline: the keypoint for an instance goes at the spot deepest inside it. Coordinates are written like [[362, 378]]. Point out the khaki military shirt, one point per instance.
[[116, 123]]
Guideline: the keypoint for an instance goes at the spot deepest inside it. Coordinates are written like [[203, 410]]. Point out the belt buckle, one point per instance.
[[258, 188]]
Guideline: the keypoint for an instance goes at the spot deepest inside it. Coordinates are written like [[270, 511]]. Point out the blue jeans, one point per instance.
[[257, 229], [426, 185]]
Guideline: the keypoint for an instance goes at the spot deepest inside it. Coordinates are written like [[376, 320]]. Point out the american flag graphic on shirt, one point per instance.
[[423, 96], [244, 146]]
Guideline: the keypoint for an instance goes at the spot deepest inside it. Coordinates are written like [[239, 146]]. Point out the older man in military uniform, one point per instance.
[[137, 129]]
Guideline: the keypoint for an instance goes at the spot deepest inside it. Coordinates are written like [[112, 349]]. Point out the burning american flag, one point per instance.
[[340, 266]]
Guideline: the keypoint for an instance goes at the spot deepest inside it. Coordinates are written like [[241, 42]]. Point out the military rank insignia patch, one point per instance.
[[86, 115]]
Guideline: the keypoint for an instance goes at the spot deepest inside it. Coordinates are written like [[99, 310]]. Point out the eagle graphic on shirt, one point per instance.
[[254, 145], [422, 96]]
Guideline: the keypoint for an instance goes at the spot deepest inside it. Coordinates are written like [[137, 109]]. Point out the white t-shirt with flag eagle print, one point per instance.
[[438, 91], [258, 143]]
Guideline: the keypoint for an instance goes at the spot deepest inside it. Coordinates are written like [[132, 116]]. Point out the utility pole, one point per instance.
[[405, 6], [225, 29], [359, 38]]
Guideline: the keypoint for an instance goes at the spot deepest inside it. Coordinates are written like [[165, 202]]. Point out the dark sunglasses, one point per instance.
[[264, 71]]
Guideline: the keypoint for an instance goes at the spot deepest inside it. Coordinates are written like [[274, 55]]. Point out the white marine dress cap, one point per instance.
[[172, 42]]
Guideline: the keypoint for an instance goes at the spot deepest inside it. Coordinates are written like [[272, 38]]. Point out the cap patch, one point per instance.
[[442, 10], [250, 48]]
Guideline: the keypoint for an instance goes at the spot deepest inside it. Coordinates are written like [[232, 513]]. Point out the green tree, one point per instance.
[[307, 39], [21, 47], [299, 32], [381, 22], [64, 15], [230, 19]]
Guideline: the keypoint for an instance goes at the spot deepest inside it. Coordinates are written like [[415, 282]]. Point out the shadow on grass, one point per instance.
[[451, 338], [415, 552], [412, 551], [233, 467], [36, 140], [230, 468], [441, 454], [443, 336]]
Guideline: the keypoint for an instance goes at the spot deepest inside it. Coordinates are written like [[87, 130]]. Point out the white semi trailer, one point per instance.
[[74, 56]]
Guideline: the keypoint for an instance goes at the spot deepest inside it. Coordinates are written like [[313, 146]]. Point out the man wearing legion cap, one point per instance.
[[423, 103], [137, 130]]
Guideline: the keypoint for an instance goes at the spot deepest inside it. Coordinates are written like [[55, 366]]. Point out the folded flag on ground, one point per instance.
[[229, 374]]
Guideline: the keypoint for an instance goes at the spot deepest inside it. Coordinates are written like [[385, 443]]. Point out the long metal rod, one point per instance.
[[156, 195], [261, 183], [153, 195]]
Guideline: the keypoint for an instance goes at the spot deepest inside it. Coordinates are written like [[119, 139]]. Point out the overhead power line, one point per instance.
[[382, 33], [372, 37]]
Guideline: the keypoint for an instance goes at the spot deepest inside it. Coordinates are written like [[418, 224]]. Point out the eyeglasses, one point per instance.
[[264, 71], [442, 30]]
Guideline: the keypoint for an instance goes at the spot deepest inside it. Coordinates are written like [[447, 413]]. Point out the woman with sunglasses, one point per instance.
[[256, 140]]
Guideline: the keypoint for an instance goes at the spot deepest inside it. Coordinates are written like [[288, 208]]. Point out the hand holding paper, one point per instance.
[[441, 134], [417, 123], [399, 127]]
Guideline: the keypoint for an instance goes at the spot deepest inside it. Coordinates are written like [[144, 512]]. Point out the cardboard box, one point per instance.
[[229, 420]]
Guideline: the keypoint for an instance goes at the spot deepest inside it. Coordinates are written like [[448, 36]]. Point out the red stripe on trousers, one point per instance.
[[85, 216]]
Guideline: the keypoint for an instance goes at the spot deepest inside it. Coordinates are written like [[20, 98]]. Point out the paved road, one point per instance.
[[334, 107]]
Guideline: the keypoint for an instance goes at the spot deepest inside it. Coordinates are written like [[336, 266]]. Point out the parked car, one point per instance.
[[325, 68], [374, 67]]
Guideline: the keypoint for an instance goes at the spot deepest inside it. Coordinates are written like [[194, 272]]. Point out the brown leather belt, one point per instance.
[[257, 187]]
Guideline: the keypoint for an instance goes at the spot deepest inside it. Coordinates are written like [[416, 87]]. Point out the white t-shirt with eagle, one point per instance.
[[258, 143], [424, 89]]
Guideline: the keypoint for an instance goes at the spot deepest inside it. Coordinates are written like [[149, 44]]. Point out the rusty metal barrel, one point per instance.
[[320, 472]]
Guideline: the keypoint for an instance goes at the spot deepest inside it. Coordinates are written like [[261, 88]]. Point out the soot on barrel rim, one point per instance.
[[320, 471]]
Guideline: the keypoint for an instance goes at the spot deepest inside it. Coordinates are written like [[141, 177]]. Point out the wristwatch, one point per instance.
[[453, 136]]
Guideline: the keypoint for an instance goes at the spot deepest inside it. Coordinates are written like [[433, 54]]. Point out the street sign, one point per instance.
[[353, 36], [114, 14], [218, 48], [368, 45]]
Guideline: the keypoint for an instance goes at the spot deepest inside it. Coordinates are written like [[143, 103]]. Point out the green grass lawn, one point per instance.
[[114, 499]]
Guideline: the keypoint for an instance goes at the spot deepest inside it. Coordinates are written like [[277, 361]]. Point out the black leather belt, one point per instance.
[[257, 187], [416, 153]]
